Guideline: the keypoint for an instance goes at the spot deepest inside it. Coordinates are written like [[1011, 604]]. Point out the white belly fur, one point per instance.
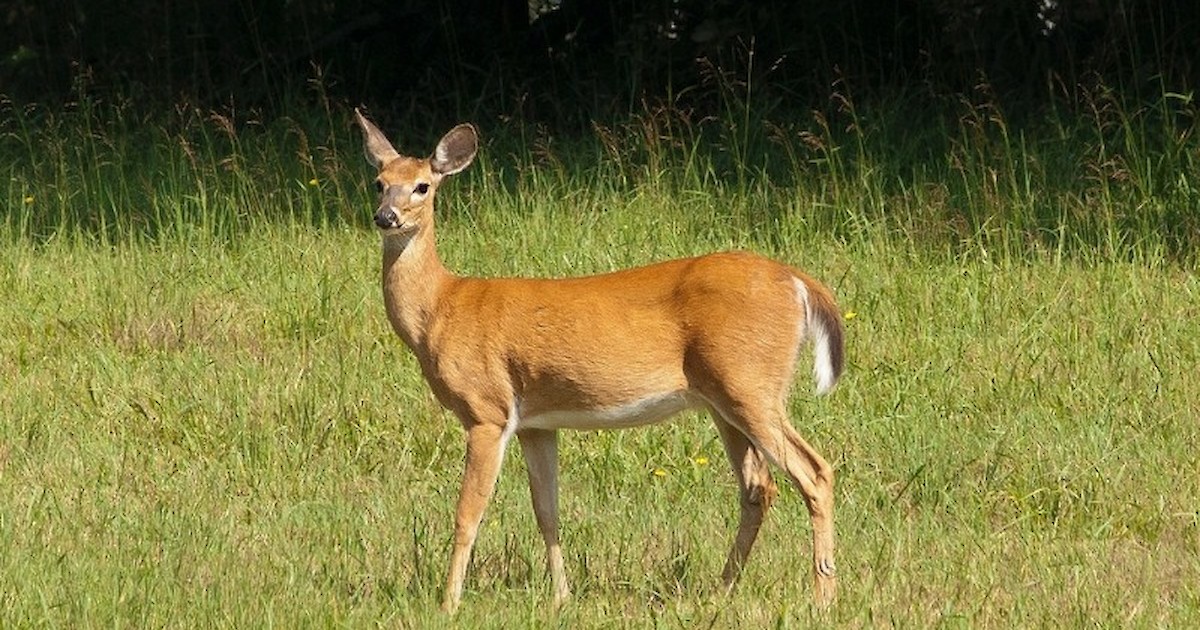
[[645, 411]]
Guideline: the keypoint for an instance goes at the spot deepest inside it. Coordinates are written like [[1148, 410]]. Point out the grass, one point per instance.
[[207, 420]]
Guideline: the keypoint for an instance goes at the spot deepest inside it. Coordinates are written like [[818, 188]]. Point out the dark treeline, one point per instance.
[[565, 61]]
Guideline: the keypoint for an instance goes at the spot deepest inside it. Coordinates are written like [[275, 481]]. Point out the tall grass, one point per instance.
[[206, 420], [1095, 176], [108, 172]]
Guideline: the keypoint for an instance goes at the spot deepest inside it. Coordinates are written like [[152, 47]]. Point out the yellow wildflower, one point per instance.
[[659, 472], [701, 460], [312, 182], [849, 315], [28, 199]]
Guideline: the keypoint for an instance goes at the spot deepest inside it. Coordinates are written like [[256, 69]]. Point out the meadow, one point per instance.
[[205, 419]]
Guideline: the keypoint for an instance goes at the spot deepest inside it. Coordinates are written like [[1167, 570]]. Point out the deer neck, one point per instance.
[[413, 278]]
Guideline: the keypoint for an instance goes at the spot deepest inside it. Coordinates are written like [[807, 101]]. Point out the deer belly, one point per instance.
[[647, 410]]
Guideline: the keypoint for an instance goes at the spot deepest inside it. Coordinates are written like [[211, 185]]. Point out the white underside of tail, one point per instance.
[[822, 358]]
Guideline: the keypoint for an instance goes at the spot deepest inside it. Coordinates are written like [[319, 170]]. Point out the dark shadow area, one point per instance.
[[568, 62]]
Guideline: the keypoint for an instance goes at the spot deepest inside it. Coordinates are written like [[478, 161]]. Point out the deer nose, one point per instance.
[[385, 218]]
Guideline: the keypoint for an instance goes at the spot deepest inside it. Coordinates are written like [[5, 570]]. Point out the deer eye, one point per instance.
[[421, 188], [379, 185]]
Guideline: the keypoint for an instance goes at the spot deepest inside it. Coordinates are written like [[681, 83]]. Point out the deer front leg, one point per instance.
[[485, 452], [541, 458]]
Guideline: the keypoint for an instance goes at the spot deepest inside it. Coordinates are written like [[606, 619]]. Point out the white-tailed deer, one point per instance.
[[526, 357]]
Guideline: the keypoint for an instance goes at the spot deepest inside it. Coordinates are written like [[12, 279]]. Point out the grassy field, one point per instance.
[[207, 421]]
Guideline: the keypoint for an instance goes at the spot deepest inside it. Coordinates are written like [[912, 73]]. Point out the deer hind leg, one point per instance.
[[756, 492], [540, 448], [768, 428]]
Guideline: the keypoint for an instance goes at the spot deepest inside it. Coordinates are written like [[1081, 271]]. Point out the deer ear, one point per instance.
[[455, 150], [378, 149]]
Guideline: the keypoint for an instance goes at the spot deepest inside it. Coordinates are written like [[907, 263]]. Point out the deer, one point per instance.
[[526, 357]]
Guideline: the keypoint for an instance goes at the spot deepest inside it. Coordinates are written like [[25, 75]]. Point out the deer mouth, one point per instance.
[[396, 228], [388, 220]]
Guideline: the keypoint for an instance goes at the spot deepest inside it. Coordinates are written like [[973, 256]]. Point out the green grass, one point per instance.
[[207, 421]]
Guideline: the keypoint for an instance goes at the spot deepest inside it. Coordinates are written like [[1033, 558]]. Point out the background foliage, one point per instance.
[[568, 59], [1045, 125]]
